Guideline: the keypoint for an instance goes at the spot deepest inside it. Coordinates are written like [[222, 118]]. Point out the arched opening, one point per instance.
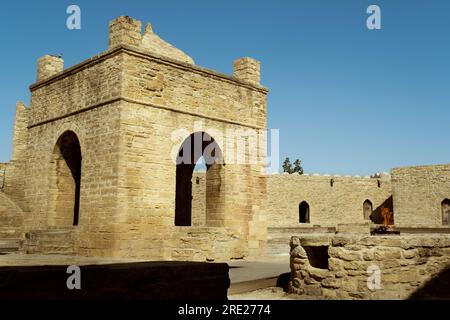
[[303, 209], [367, 210], [65, 184], [194, 147], [445, 207], [387, 207]]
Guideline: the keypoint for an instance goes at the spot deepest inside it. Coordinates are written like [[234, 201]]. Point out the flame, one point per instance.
[[387, 215]]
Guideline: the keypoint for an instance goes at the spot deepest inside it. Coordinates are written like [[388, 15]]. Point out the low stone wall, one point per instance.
[[331, 199], [371, 267], [205, 244]]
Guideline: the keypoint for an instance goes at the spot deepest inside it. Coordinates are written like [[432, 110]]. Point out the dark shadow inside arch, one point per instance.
[[445, 208], [376, 215], [197, 145], [67, 157], [303, 210], [367, 209]]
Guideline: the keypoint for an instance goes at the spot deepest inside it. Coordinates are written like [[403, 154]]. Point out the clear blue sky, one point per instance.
[[346, 100]]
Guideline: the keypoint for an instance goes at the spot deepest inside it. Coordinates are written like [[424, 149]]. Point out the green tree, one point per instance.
[[287, 166], [298, 166]]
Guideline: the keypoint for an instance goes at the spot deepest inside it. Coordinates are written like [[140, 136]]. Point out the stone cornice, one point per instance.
[[145, 104], [145, 55]]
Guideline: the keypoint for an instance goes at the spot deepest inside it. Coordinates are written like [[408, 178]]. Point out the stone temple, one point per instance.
[[95, 170]]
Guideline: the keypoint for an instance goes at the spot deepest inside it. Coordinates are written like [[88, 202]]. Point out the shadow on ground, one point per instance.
[[436, 288], [283, 281], [122, 281]]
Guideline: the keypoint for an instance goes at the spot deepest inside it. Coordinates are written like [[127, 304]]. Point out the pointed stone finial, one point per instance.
[[148, 28]]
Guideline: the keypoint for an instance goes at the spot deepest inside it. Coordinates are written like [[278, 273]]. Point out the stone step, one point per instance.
[[55, 240], [56, 234], [58, 251], [9, 245], [299, 230], [9, 233], [59, 238]]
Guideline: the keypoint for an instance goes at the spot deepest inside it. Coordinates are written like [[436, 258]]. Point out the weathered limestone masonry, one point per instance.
[[419, 195], [11, 218], [336, 267], [108, 123], [11, 215], [199, 198], [14, 179], [331, 199], [3, 167]]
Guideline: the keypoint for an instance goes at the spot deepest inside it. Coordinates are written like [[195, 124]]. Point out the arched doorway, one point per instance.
[[303, 210], [445, 207], [197, 145], [65, 181], [367, 210]]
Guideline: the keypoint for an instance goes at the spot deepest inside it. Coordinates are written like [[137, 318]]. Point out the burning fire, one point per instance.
[[387, 215]]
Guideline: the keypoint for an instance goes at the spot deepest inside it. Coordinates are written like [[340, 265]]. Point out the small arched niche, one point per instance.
[[367, 209], [303, 212]]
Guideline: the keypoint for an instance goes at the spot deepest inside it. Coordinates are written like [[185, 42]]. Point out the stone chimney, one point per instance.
[[125, 30], [247, 69], [48, 66]]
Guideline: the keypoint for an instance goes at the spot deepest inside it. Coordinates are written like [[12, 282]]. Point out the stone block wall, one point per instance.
[[82, 99], [99, 177], [166, 84], [407, 266], [205, 244], [331, 199], [11, 218], [147, 180], [124, 107], [199, 198], [3, 167], [14, 178], [418, 193]]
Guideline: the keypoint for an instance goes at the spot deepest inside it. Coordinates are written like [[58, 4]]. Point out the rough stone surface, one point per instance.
[[48, 66], [418, 193], [11, 218], [404, 273], [328, 205], [3, 167]]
